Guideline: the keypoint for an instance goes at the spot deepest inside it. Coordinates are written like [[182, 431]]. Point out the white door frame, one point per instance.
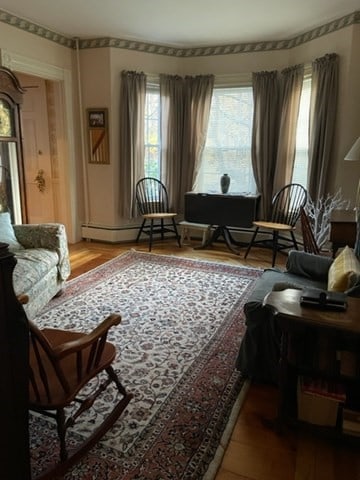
[[67, 175]]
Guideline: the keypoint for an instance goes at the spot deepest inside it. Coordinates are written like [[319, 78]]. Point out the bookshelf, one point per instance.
[[319, 370]]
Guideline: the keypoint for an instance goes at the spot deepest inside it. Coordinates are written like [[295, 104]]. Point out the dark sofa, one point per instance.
[[260, 347]]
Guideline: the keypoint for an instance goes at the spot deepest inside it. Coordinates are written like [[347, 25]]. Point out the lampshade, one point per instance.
[[354, 152]]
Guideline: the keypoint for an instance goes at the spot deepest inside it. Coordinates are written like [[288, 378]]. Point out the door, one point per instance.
[[39, 182]]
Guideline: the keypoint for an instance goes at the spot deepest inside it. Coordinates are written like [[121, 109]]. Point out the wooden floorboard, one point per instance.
[[255, 450]]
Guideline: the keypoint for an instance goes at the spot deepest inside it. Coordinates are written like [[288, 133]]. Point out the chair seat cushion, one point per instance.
[[274, 226], [159, 215]]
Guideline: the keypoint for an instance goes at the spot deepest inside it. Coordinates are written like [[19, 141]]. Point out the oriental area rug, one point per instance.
[[177, 343]]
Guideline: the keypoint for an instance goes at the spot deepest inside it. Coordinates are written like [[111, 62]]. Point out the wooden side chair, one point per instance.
[[310, 245], [309, 242], [286, 206], [153, 204], [61, 364]]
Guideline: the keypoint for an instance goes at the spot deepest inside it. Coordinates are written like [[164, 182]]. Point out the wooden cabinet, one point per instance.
[[342, 229]]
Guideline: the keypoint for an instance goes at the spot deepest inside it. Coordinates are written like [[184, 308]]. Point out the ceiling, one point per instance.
[[182, 23]]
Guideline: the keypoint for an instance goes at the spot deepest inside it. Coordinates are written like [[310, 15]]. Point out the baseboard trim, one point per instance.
[[109, 234], [128, 234]]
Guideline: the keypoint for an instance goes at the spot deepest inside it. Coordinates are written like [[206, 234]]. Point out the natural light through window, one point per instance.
[[228, 142], [152, 133], [302, 137]]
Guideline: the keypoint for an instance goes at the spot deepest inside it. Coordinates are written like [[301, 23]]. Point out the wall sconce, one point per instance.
[[353, 155]]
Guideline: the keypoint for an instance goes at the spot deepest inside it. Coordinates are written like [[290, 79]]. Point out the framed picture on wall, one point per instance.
[[97, 118], [97, 123]]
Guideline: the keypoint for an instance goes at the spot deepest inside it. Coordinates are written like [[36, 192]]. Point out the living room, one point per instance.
[[85, 74], [90, 191]]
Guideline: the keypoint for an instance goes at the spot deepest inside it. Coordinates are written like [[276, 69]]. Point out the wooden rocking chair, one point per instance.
[[61, 364]]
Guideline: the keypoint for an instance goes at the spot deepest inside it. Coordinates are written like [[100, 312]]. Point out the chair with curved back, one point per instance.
[[285, 206], [62, 363], [153, 204], [309, 242]]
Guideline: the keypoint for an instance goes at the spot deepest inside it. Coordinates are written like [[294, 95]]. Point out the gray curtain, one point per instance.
[[172, 135], [132, 149], [197, 108], [185, 110], [323, 104], [291, 86], [266, 92]]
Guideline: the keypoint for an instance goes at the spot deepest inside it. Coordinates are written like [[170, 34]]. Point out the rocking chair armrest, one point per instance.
[[67, 348]]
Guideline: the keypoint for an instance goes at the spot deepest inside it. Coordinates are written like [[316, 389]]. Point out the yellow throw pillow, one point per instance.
[[344, 271]]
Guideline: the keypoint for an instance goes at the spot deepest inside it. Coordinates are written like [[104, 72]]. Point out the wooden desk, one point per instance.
[[342, 229], [222, 210], [311, 324]]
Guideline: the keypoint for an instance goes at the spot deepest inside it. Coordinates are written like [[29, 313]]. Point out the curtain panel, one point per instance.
[[199, 91], [172, 135], [266, 92], [291, 85], [185, 111], [323, 105], [132, 143]]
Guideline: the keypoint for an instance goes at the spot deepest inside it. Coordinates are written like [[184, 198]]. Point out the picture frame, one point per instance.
[[97, 126], [97, 117]]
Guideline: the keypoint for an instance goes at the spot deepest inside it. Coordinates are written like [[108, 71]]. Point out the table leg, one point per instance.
[[222, 231]]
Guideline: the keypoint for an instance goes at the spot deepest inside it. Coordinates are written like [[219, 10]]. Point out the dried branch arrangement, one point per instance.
[[319, 213]]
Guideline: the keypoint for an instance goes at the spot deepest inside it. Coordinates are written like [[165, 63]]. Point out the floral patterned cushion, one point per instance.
[[43, 264], [32, 265]]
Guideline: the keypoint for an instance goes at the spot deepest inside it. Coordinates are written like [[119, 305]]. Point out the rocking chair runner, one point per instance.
[[61, 364]]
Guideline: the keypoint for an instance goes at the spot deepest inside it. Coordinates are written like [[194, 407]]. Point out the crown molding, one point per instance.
[[108, 42]]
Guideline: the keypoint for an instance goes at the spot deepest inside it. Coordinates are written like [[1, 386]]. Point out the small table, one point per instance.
[[222, 212], [293, 319], [342, 229]]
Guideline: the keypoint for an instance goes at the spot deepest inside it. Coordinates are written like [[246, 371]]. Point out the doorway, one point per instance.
[[67, 150], [44, 150], [39, 151]]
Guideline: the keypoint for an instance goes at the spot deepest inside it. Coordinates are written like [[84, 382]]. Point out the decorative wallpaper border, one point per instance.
[[27, 26], [107, 42]]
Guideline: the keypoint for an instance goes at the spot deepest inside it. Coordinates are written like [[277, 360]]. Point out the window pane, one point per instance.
[[228, 142], [152, 134], [302, 137]]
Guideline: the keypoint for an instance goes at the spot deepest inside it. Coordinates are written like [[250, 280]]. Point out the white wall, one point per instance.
[[343, 42]]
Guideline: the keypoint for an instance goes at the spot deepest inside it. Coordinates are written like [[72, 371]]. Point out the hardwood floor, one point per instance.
[[255, 450]]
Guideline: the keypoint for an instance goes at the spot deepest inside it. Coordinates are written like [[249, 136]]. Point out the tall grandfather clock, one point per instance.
[[12, 180]]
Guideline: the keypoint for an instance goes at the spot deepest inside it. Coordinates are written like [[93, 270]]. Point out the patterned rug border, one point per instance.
[[226, 436], [222, 421]]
